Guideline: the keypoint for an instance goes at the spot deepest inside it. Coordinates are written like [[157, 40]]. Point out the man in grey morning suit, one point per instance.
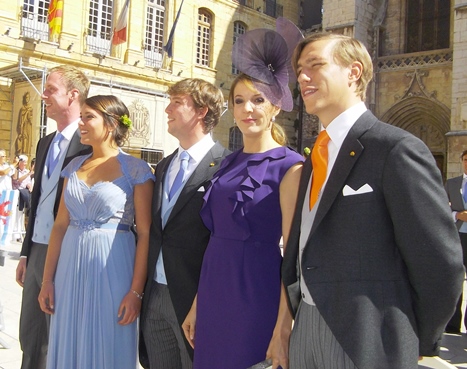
[[456, 188], [178, 236], [380, 264], [65, 90]]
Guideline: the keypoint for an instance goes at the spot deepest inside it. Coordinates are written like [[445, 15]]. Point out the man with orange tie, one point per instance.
[[373, 262]]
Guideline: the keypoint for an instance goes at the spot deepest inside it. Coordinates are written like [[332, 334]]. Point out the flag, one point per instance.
[[168, 46], [119, 36], [54, 17]]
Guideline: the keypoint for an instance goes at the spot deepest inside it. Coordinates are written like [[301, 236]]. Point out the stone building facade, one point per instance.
[[419, 49], [138, 70]]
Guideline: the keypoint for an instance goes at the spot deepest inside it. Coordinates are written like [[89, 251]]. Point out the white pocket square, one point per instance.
[[201, 189], [349, 191]]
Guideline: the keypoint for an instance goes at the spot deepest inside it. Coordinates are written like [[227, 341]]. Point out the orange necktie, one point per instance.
[[319, 158]]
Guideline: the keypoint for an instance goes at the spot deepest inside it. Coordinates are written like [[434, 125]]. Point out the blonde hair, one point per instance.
[[345, 51], [73, 78], [277, 132]]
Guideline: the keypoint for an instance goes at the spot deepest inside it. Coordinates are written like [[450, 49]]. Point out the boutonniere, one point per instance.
[[212, 164], [306, 152]]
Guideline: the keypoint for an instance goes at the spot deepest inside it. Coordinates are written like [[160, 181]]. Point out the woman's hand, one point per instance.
[[189, 325], [129, 308], [47, 297], [278, 349]]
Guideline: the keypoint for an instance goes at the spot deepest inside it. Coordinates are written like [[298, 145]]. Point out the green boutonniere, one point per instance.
[[306, 151]]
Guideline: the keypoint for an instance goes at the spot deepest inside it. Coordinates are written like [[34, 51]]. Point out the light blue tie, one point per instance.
[[184, 157], [54, 155], [464, 192]]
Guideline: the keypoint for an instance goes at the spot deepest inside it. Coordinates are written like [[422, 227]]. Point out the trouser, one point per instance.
[[34, 323], [162, 334], [312, 344]]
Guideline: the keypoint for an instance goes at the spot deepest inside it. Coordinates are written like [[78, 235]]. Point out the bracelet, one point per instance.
[[48, 280], [137, 294]]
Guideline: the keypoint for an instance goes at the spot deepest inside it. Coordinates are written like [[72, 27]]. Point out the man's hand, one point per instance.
[[462, 215], [21, 271]]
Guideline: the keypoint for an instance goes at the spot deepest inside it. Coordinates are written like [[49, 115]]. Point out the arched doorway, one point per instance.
[[426, 119]]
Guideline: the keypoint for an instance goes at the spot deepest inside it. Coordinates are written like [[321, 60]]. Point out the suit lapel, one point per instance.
[[202, 173], [42, 157], [348, 155], [161, 173]]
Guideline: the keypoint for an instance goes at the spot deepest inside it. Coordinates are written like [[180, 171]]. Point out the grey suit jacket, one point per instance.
[[75, 148], [184, 238], [453, 189], [384, 267]]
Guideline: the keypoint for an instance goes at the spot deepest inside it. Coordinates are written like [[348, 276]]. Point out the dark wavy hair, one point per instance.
[[113, 109]]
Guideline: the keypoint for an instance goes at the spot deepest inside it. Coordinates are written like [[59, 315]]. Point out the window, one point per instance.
[[428, 25], [269, 7], [154, 36], [239, 29], [235, 138], [152, 156], [203, 50], [34, 22], [99, 33]]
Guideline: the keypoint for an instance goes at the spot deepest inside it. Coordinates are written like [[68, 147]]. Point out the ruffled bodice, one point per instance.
[[104, 202], [247, 188]]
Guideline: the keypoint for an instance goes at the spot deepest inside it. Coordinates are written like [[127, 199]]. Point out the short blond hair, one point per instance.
[[346, 50], [73, 78]]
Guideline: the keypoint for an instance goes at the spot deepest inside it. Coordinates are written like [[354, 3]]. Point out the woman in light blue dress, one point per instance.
[[95, 270]]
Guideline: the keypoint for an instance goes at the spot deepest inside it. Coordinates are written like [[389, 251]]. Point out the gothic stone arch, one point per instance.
[[425, 118]]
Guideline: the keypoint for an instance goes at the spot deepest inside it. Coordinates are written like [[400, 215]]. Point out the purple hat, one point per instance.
[[264, 55]]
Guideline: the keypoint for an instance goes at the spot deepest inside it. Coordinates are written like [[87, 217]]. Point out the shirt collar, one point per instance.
[[198, 150], [70, 130], [341, 125]]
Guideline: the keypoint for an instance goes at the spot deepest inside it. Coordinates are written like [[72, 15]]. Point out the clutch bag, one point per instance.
[[266, 364]]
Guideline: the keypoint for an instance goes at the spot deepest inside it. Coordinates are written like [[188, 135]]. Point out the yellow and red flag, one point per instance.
[[54, 16]]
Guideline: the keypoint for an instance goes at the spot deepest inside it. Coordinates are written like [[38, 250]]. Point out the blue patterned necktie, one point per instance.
[[184, 157], [464, 192], [54, 154]]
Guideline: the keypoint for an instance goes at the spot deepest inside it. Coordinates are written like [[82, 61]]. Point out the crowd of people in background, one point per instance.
[[17, 176], [368, 278]]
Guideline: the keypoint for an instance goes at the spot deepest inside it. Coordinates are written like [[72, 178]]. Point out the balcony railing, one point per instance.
[[98, 42], [248, 3], [34, 26]]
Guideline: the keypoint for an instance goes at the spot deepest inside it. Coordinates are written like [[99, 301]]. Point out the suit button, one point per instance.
[[303, 295]]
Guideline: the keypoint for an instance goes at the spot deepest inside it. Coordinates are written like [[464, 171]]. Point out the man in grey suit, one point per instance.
[[65, 90], [379, 260], [456, 188], [178, 236]]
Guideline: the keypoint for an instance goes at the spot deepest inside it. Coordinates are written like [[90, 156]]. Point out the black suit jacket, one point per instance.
[[453, 188], [184, 238], [75, 148], [383, 267]]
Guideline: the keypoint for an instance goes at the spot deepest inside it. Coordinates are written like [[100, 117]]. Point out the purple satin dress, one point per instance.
[[239, 288]]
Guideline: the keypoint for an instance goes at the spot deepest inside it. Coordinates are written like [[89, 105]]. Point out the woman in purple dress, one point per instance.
[[240, 315]]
